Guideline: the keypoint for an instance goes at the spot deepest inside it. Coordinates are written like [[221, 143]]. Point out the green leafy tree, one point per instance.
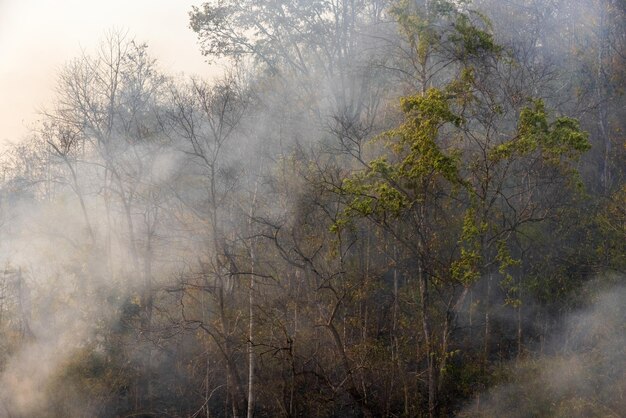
[[427, 179]]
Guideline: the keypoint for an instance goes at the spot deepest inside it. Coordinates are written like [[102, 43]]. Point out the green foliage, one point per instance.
[[508, 283], [416, 139], [467, 268], [472, 41], [416, 28], [445, 27], [387, 189], [561, 139]]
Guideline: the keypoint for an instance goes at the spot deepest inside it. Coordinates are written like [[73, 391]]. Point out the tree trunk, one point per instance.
[[430, 352], [250, 344], [486, 341]]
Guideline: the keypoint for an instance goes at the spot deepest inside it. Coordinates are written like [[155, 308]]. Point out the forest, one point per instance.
[[381, 208]]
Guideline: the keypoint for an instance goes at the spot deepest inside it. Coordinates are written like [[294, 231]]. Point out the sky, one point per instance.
[[37, 37]]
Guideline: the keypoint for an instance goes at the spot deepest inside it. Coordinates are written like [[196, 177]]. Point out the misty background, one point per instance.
[[38, 36], [342, 208]]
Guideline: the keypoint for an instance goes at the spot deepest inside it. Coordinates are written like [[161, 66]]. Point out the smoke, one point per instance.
[[54, 298], [83, 250], [128, 238], [583, 373]]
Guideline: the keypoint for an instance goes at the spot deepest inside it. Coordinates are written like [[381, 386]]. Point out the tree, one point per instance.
[[325, 53], [416, 189], [207, 119]]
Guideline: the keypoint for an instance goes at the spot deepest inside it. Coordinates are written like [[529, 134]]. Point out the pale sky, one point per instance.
[[37, 37]]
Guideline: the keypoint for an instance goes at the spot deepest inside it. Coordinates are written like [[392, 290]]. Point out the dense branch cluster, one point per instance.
[[385, 208]]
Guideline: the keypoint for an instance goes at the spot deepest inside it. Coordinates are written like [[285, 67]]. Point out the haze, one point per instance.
[[38, 36], [382, 208]]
